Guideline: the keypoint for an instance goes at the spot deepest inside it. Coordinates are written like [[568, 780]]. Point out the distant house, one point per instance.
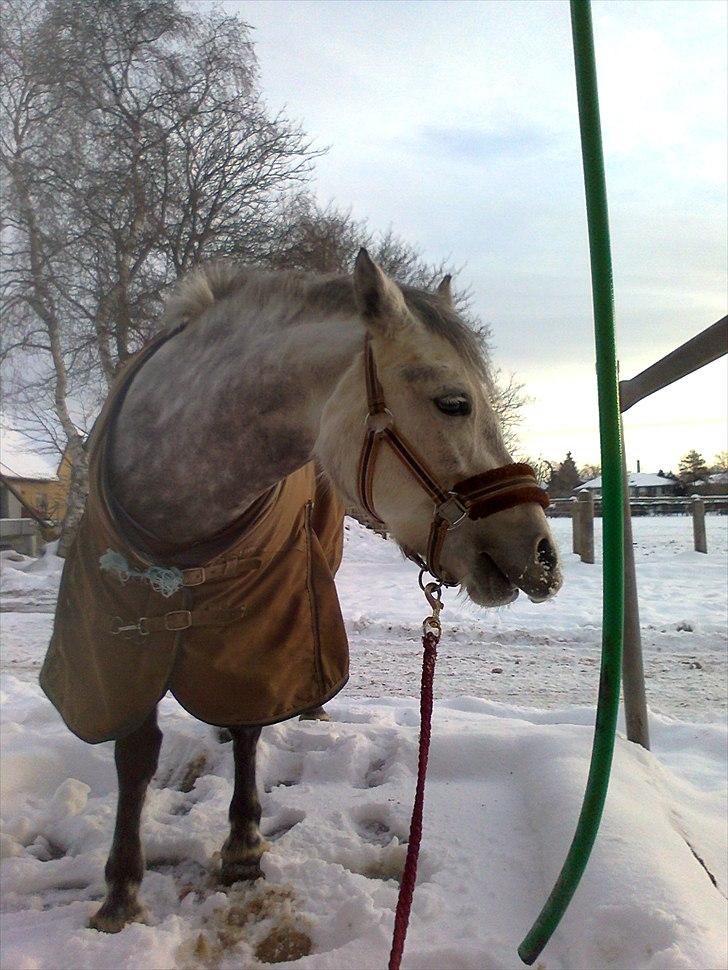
[[30, 488], [641, 485], [715, 484]]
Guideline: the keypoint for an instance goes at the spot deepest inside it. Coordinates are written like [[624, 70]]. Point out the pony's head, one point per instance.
[[436, 384]]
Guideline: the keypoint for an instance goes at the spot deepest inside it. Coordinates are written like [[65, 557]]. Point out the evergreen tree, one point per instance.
[[692, 467], [564, 479]]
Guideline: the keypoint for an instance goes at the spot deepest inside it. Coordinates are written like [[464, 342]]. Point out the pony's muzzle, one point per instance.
[[520, 544], [542, 576]]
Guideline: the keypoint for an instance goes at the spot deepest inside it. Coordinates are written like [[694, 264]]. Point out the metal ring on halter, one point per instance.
[[432, 591], [378, 421], [453, 510]]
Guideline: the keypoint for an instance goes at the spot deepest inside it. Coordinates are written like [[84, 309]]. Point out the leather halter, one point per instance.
[[476, 497]]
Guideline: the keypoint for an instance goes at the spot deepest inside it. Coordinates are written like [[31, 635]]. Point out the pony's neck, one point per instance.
[[225, 409]]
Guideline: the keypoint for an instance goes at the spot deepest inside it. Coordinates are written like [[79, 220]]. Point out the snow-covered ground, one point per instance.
[[511, 744]]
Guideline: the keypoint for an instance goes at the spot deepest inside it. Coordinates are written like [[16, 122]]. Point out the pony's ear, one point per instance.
[[444, 290], [379, 299]]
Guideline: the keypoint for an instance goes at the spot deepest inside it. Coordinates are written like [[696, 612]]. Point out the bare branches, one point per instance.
[[508, 401], [133, 143]]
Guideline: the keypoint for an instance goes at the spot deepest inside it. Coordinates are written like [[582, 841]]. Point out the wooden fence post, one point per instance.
[[586, 526], [700, 539], [633, 671], [575, 526]]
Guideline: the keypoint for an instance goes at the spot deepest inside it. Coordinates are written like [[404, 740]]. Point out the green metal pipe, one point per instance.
[[612, 513]]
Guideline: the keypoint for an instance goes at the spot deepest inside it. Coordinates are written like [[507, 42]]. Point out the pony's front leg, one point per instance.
[[244, 846], [136, 758]]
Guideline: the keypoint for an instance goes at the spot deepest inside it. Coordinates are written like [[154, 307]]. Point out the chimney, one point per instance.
[[638, 466]]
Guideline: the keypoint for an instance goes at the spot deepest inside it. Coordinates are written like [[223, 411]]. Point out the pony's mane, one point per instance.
[[209, 284]]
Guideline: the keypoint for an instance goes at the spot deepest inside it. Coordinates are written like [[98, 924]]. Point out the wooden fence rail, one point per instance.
[[695, 353], [657, 505]]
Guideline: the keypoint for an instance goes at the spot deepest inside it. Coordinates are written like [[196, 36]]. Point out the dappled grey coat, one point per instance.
[[243, 628]]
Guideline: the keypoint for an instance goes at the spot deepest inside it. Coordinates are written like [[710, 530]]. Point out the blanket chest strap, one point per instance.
[[197, 575], [177, 620]]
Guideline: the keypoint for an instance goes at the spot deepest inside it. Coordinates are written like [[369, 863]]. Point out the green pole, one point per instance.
[[612, 512]]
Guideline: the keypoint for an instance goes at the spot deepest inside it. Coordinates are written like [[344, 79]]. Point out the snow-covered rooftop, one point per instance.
[[636, 479], [17, 460]]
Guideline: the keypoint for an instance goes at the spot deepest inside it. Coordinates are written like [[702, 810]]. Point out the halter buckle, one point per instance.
[[453, 510], [379, 421]]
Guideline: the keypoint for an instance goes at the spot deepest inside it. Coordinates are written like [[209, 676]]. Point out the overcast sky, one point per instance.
[[455, 124]]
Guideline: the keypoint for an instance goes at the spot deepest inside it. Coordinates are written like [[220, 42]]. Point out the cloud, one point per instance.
[[455, 123], [483, 145]]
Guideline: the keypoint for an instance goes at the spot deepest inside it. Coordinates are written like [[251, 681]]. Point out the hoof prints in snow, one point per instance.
[[184, 808], [390, 865], [45, 850], [375, 831], [492, 840], [338, 850], [186, 779], [261, 923], [375, 773], [282, 824], [304, 741], [282, 783]]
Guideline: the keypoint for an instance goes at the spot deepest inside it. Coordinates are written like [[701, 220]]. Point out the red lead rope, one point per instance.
[[409, 876]]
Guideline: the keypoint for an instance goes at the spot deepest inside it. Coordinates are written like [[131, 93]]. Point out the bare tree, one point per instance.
[[326, 239], [36, 236], [543, 467], [133, 140], [587, 472]]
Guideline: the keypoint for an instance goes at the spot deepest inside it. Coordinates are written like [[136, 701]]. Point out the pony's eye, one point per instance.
[[455, 404]]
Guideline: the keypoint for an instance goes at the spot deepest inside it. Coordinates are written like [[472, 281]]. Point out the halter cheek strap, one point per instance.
[[475, 498]]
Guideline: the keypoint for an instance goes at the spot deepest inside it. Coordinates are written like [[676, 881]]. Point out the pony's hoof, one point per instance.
[[232, 872], [315, 714], [113, 919]]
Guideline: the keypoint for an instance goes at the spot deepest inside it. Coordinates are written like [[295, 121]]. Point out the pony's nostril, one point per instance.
[[546, 554]]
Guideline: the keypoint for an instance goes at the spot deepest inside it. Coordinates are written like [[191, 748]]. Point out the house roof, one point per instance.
[[17, 460], [636, 480]]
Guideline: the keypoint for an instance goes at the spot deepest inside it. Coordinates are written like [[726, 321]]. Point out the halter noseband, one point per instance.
[[475, 497]]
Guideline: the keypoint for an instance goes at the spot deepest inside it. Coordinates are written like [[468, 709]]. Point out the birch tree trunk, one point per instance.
[[77, 493]]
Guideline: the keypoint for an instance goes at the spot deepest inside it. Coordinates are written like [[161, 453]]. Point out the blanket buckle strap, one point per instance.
[[194, 576], [175, 620]]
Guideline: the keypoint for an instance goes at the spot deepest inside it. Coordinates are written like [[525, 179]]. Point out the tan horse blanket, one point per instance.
[[243, 629]]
